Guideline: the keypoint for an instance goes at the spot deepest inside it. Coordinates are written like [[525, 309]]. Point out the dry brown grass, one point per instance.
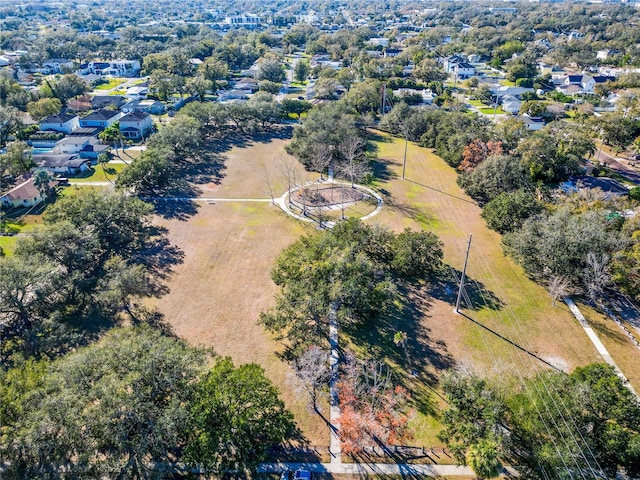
[[244, 171], [217, 294]]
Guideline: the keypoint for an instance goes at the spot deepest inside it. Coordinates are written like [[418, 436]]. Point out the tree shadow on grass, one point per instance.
[[476, 296], [423, 358]]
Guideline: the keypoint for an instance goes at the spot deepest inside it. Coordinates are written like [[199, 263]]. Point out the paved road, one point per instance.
[[618, 166]]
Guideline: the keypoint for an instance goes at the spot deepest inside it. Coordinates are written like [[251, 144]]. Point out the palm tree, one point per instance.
[[42, 181], [483, 459]]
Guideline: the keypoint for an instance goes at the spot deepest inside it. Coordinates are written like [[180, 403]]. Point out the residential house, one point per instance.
[[24, 195], [532, 123], [427, 95], [391, 52], [85, 146], [58, 65], [64, 164], [586, 82], [138, 92], [246, 21], [61, 122], [378, 41], [117, 68], [113, 102], [611, 188], [100, 119], [464, 70], [502, 91], [247, 85], [149, 106], [136, 125], [511, 104]]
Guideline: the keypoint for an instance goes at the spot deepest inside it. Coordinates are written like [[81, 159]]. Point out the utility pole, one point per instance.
[[464, 271]]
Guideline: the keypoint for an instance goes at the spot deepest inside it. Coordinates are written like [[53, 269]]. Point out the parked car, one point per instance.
[[297, 475]]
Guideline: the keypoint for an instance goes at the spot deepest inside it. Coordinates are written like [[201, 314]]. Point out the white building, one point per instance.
[[137, 93], [136, 125], [464, 70], [62, 122], [248, 21], [58, 65], [116, 68]]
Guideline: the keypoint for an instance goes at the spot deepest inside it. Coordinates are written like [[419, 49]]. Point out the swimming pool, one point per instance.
[[40, 150]]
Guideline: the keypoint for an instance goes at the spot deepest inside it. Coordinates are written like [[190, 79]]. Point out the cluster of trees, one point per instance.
[[177, 145], [52, 95], [330, 139], [556, 425], [137, 404], [353, 273], [448, 132], [93, 258], [353, 269]]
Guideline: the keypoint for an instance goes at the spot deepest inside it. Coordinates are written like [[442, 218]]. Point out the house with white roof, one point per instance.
[[58, 65], [84, 146]]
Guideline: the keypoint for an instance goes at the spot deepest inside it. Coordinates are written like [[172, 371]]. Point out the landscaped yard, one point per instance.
[[99, 174], [492, 110]]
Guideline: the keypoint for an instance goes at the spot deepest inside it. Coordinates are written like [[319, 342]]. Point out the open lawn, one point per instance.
[[112, 83], [99, 174], [492, 110], [431, 199], [217, 293], [246, 170], [22, 225]]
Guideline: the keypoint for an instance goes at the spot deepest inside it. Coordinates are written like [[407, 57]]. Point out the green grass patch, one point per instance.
[[477, 103], [112, 83], [507, 83], [491, 111], [74, 190], [8, 244], [99, 174]]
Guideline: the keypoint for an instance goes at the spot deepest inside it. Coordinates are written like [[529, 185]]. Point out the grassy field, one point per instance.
[[217, 293], [621, 348], [433, 201]]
